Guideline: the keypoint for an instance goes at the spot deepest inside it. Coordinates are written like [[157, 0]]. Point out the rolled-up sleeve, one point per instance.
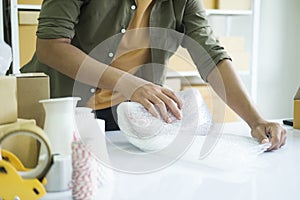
[[208, 52], [58, 18]]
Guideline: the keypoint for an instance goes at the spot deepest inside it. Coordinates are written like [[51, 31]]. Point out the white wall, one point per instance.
[[279, 52]]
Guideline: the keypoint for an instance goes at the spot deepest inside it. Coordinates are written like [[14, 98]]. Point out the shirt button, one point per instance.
[[133, 7], [93, 90], [111, 55], [123, 30]]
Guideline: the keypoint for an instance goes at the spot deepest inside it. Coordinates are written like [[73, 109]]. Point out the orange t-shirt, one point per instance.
[[132, 52]]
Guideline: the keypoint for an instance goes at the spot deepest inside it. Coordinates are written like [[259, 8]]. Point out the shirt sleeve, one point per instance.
[[201, 43], [58, 18]]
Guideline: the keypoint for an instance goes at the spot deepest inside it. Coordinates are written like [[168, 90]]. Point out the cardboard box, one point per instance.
[[27, 35], [297, 110], [235, 46], [181, 61], [8, 99], [232, 43], [32, 87], [24, 147], [220, 111], [241, 60], [28, 17], [209, 4], [234, 4], [34, 2]]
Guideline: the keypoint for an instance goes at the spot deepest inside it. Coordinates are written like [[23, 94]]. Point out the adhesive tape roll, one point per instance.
[[45, 158]]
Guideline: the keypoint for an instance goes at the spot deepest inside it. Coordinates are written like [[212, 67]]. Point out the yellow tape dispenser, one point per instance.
[[17, 182]]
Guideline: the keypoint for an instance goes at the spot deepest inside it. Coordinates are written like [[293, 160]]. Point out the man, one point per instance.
[[69, 30]]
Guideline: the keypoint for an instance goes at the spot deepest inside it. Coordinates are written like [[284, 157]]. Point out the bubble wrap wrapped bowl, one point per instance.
[[149, 133]]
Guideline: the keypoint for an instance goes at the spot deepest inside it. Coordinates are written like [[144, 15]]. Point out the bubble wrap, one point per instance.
[[231, 152], [149, 133]]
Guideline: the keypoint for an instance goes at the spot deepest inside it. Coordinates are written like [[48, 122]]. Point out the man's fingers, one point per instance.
[[170, 103], [275, 139], [150, 107], [173, 96], [283, 137], [161, 106], [261, 135], [278, 135], [270, 132], [155, 98]]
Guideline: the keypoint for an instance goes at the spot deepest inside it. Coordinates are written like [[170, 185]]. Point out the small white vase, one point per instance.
[[60, 123]]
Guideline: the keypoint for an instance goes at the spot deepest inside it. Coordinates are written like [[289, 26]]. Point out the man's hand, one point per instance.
[[154, 97], [231, 89], [270, 132]]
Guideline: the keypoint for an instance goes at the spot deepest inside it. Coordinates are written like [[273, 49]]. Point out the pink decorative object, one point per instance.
[[87, 175]]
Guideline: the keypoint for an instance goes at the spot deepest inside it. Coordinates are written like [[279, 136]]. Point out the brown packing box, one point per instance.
[[241, 60], [235, 46], [181, 61], [32, 87], [8, 99], [27, 37], [297, 110], [234, 4], [209, 4], [220, 111], [24, 147], [35, 2], [232, 43]]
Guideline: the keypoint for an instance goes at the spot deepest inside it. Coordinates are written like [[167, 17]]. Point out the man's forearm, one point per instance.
[[230, 88], [71, 61]]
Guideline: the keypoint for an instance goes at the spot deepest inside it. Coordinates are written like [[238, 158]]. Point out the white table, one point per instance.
[[278, 178]]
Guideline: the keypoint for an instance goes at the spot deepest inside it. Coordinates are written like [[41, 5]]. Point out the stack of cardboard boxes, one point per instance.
[[219, 110], [209, 4], [31, 2], [235, 46], [227, 4], [27, 34], [27, 29], [8, 99], [234, 4], [19, 96]]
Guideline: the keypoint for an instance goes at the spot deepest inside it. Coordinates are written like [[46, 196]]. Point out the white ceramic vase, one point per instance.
[[60, 123]]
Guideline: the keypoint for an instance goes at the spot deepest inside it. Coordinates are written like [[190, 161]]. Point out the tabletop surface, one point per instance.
[[274, 175]]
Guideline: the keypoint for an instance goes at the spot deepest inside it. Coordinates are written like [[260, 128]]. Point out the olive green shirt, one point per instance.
[[97, 26]]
